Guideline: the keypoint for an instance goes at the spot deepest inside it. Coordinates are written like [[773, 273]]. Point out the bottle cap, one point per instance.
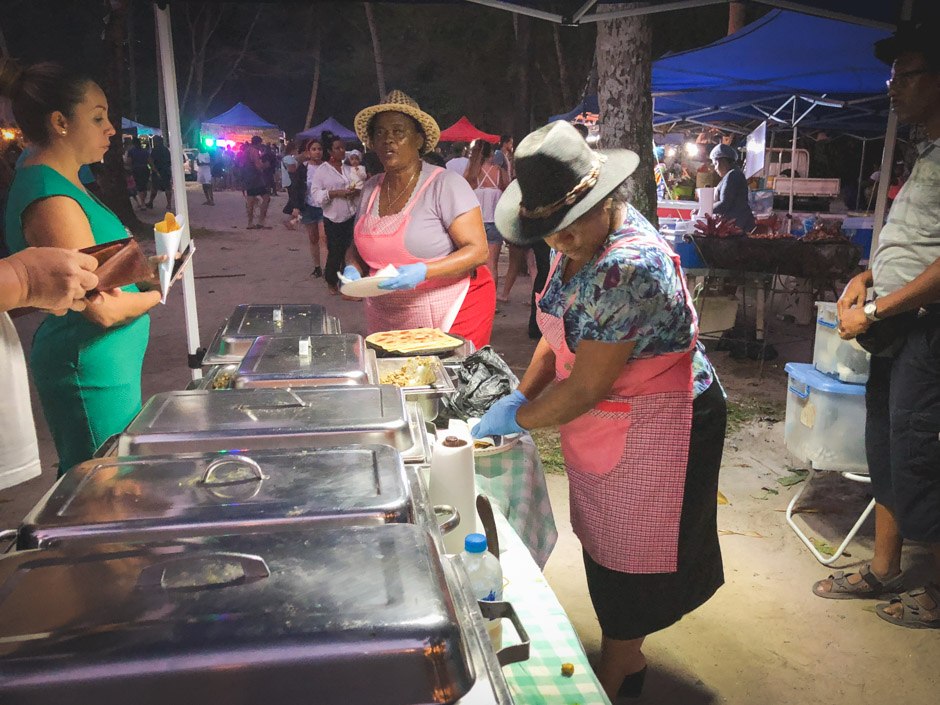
[[475, 543]]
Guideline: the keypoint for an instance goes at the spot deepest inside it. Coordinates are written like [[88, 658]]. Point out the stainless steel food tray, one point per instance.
[[202, 420], [200, 494], [248, 321], [427, 397], [305, 361], [261, 615]]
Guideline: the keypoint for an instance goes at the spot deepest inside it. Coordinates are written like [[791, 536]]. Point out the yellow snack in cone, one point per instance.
[[167, 225]]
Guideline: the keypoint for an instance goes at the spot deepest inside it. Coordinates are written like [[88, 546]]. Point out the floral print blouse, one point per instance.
[[631, 293]]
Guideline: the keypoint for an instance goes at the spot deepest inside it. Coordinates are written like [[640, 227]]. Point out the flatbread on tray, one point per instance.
[[413, 340]]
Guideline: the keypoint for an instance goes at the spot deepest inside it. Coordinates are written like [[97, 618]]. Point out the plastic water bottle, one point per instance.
[[486, 580]]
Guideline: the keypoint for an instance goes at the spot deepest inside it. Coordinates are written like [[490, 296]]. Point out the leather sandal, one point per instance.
[[916, 610], [869, 587]]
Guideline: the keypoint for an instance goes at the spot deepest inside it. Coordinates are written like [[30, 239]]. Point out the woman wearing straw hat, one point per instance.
[[641, 413], [426, 222]]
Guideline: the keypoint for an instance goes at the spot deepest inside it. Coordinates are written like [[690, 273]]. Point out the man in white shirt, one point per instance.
[[901, 327]]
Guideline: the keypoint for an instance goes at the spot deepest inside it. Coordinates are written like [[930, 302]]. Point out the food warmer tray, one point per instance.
[[201, 494], [304, 361], [248, 321], [198, 420], [426, 396], [262, 616]]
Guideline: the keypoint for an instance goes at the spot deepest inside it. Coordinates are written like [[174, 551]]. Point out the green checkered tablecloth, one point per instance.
[[538, 681], [515, 483]]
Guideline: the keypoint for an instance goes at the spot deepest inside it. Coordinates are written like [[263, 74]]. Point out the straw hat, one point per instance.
[[559, 178], [401, 102]]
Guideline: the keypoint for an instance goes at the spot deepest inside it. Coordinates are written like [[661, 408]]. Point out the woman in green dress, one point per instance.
[[86, 365]]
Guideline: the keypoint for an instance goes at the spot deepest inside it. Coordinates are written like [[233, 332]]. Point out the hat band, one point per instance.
[[569, 199]]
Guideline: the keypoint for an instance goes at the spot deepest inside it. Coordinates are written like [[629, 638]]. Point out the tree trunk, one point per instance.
[[111, 179], [624, 65], [316, 78], [737, 16], [562, 69], [4, 51], [376, 50], [522, 24]]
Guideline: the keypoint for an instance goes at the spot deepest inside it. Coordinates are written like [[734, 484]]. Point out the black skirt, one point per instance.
[[632, 605]]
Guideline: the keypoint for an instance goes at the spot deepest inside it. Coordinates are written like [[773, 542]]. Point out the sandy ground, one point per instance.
[[763, 637]]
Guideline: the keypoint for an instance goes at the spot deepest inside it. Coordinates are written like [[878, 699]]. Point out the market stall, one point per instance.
[[465, 131], [239, 124], [304, 463], [331, 124]]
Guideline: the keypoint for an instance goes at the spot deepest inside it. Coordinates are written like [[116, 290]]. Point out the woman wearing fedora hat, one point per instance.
[[618, 369], [425, 221]]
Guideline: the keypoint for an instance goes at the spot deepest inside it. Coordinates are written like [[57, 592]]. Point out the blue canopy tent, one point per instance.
[[239, 115], [787, 68], [331, 125], [128, 125]]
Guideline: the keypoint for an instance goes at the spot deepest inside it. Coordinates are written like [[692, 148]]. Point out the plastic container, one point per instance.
[[825, 421], [845, 360], [486, 580]]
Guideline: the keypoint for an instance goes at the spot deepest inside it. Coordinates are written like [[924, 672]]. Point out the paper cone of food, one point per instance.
[[167, 234]]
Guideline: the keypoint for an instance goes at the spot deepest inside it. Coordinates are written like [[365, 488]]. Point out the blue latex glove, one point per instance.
[[500, 420], [351, 273], [409, 276]]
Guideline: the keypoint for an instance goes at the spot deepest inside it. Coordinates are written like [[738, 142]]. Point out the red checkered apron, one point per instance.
[[626, 458], [380, 241]]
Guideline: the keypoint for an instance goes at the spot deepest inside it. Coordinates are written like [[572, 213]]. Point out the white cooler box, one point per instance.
[[825, 423], [845, 360]]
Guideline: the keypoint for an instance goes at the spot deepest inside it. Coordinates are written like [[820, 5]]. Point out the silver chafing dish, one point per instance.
[[366, 615], [427, 395], [201, 494], [248, 321], [305, 361], [255, 419]]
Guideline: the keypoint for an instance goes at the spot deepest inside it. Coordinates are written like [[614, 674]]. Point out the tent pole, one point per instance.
[[793, 158], [861, 171], [173, 137], [887, 159]]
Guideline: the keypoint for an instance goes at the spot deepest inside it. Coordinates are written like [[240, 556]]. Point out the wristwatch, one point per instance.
[[871, 311]]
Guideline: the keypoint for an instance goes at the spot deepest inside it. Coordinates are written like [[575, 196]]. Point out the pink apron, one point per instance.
[[381, 241], [626, 458]]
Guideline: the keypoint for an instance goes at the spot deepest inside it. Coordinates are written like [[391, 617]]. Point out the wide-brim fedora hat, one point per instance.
[[559, 178], [399, 102]]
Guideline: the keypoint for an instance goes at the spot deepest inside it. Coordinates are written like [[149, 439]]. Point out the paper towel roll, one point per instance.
[[706, 200], [452, 482]]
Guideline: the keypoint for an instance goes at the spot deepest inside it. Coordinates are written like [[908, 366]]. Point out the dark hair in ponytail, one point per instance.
[[37, 91]]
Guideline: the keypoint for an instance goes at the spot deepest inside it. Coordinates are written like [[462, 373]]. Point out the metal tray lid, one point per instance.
[[333, 359], [248, 321], [354, 413], [198, 494], [269, 612]]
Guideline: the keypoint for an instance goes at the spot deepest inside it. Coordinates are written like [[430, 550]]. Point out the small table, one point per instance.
[[515, 483], [553, 640]]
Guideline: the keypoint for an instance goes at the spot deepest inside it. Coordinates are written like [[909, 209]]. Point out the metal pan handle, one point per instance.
[[253, 568], [105, 448], [451, 517], [11, 535], [235, 460], [504, 610]]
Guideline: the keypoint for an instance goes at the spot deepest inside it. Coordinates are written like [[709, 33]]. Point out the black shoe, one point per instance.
[[317, 272], [632, 686]]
